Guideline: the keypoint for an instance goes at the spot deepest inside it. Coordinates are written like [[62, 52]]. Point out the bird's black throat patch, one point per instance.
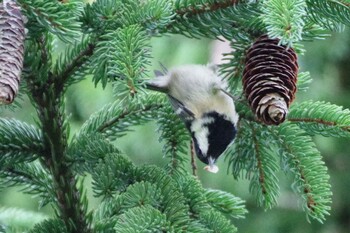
[[221, 134]]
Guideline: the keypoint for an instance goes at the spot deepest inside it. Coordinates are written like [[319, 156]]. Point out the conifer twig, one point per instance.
[[193, 160], [48, 98], [76, 63], [191, 11], [114, 120], [319, 121], [259, 163]]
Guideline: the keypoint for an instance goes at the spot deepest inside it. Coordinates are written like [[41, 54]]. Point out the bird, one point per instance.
[[199, 96]]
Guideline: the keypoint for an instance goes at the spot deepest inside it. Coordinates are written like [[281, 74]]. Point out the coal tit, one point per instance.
[[198, 95]]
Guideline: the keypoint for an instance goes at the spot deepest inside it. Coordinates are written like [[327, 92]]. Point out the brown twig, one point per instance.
[[115, 119], [193, 160], [191, 11], [259, 165], [319, 121], [78, 61]]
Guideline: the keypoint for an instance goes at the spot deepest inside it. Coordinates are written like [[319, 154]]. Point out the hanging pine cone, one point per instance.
[[12, 34], [269, 79]]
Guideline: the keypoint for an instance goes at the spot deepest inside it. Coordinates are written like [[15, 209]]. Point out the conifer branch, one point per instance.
[[19, 142], [114, 119], [64, 182], [124, 116], [75, 63], [205, 7], [48, 98], [58, 18], [321, 118], [250, 155], [32, 179], [215, 221], [329, 14], [176, 137], [259, 162], [226, 203], [284, 20], [193, 159], [174, 160], [215, 19], [302, 159], [17, 220], [50, 225], [318, 121], [115, 47]]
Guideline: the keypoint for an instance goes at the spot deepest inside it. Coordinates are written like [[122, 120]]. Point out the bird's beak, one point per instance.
[[211, 167]]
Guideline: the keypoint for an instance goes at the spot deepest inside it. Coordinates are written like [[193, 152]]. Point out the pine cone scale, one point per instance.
[[12, 34], [269, 79]]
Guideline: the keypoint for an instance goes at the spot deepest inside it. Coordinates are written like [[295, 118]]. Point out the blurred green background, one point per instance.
[[329, 64]]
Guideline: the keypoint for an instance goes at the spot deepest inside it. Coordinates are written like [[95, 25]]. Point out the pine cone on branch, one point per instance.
[[12, 34], [269, 79]]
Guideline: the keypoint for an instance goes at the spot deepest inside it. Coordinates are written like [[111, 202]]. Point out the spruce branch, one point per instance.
[[86, 151], [141, 194], [226, 203], [250, 155], [232, 68], [114, 119], [50, 225], [151, 15], [321, 118], [313, 31], [194, 196], [176, 137], [241, 156], [112, 175], [72, 60], [264, 180], [19, 219], [142, 219], [216, 222], [101, 16], [104, 15], [329, 14], [193, 159], [304, 80], [166, 198], [55, 139], [19, 142], [179, 199], [122, 55], [49, 15], [284, 19], [213, 18], [47, 97], [195, 8], [174, 203], [303, 160], [32, 178]]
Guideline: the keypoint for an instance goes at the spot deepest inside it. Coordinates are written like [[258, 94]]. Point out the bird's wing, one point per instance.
[[181, 110]]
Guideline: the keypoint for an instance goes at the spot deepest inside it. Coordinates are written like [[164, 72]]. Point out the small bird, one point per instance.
[[198, 95]]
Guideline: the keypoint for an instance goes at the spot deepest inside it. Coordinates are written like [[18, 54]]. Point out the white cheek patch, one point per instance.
[[201, 133]]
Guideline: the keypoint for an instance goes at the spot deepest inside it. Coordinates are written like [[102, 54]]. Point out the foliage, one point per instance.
[[109, 40]]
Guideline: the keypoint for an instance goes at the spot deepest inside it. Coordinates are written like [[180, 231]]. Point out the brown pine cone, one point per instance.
[[12, 34], [269, 79]]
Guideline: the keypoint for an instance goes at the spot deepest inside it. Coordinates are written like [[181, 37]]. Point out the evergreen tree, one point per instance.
[[108, 40]]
